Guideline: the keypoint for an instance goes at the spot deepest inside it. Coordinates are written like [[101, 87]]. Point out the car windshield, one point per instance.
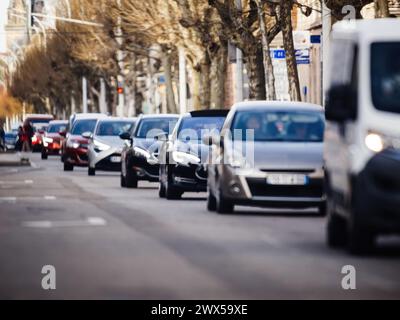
[[149, 128], [108, 128], [82, 126], [194, 128], [55, 128], [287, 126], [385, 76]]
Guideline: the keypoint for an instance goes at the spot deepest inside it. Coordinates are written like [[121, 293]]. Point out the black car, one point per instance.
[[139, 158], [183, 156], [10, 140]]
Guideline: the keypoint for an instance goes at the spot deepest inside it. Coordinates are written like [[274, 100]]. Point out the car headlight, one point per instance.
[[237, 160], [377, 142], [73, 144], [139, 152], [48, 140], [185, 158], [100, 146]]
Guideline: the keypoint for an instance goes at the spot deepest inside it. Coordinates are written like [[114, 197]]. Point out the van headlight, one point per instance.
[[375, 142], [185, 158], [139, 152], [99, 146]]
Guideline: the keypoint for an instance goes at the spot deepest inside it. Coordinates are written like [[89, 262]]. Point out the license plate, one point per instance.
[[287, 179], [115, 159]]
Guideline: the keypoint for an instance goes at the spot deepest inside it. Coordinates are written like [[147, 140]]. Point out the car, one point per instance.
[[269, 154], [362, 148], [53, 138], [39, 123], [74, 151], [10, 140], [183, 155], [139, 156], [105, 145]]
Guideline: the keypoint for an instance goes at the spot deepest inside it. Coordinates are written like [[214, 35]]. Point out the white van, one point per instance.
[[362, 139]]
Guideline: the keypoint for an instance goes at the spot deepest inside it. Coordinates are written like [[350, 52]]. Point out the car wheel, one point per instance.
[[91, 171], [68, 166], [44, 155], [223, 205], [211, 201], [123, 182], [336, 235], [131, 179], [171, 192], [161, 190], [322, 209], [360, 240]]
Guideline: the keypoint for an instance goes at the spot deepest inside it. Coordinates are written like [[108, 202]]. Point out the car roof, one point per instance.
[[39, 116], [276, 105], [160, 115], [207, 113], [80, 116], [115, 119], [371, 27], [58, 122]]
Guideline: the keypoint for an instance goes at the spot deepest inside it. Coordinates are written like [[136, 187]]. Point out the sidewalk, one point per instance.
[[14, 159]]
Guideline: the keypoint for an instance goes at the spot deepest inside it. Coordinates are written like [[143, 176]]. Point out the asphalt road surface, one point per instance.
[[111, 243]]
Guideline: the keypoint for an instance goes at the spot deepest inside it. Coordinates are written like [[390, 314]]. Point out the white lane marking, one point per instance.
[[8, 199], [34, 165], [49, 198], [45, 224], [17, 182]]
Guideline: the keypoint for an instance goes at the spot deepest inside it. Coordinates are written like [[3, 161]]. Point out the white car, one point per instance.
[[105, 145]]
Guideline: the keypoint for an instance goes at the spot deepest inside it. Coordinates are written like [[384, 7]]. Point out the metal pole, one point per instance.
[[326, 30], [239, 67], [103, 105], [182, 81], [84, 95], [29, 19]]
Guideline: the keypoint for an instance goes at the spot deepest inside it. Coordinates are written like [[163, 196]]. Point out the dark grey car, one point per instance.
[[269, 154]]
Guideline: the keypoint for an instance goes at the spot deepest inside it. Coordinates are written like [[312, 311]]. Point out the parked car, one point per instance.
[[363, 134], [269, 154], [105, 145], [53, 138], [183, 155], [139, 156], [74, 151]]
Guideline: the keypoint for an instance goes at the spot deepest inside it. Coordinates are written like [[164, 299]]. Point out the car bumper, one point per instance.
[[52, 148], [104, 160], [144, 170], [378, 192], [250, 187], [77, 157], [189, 178]]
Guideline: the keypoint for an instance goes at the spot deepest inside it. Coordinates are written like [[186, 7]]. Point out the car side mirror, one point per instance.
[[211, 139], [162, 137], [125, 136], [341, 104], [87, 135], [62, 133]]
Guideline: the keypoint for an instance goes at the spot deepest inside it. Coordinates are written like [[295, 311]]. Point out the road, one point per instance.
[[111, 243]]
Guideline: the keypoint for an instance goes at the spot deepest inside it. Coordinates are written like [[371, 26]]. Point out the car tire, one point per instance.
[[68, 166], [161, 190], [171, 192], [44, 155], [211, 201], [322, 209], [91, 171], [123, 182], [223, 205], [131, 180], [360, 240], [336, 231]]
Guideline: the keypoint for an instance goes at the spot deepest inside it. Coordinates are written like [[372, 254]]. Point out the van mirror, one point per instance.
[[125, 136], [341, 104]]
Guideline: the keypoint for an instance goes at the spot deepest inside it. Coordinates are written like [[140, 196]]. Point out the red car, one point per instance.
[[52, 139], [74, 149], [39, 123]]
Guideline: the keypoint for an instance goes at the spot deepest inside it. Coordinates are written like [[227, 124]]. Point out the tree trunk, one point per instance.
[[381, 9], [268, 66], [287, 32], [253, 58], [218, 77], [166, 63], [205, 87], [196, 84]]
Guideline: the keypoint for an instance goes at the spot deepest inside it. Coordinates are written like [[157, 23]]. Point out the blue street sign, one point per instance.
[[315, 38]]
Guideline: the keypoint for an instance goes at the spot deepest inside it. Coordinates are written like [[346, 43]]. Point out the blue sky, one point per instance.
[[3, 19]]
